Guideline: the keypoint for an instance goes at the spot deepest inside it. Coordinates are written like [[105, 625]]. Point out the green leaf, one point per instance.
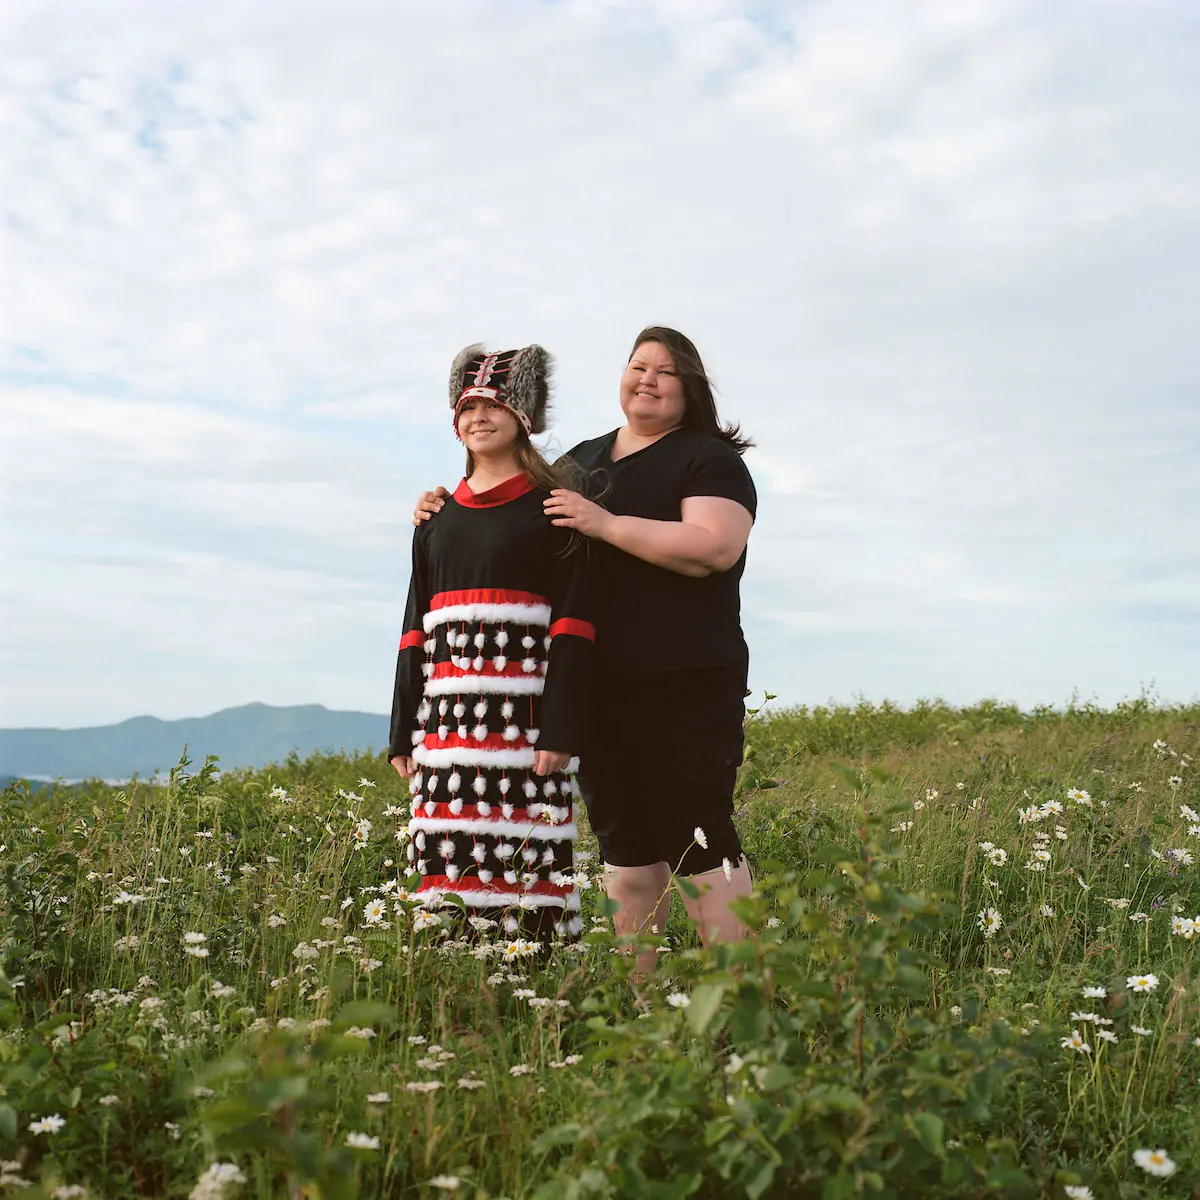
[[930, 1131], [8, 1121], [561, 1135], [705, 1000], [1008, 1177], [776, 1076], [760, 1181], [687, 887], [839, 1186], [367, 1012]]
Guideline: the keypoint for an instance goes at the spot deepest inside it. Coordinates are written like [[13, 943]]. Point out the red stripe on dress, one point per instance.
[[485, 596], [512, 670], [577, 628], [471, 883], [493, 741], [414, 639], [468, 812]]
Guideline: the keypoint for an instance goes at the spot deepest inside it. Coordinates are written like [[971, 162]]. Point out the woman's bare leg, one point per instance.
[[644, 894], [710, 910]]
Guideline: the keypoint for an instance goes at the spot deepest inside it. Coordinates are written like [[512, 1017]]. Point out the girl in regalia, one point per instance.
[[494, 669]]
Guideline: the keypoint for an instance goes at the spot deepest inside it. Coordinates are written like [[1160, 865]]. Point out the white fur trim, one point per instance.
[[496, 614], [518, 830], [483, 899], [462, 757], [482, 685]]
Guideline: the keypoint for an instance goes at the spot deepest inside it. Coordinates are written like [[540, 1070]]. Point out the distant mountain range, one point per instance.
[[252, 735]]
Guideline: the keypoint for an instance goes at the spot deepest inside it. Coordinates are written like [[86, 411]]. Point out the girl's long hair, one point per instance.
[[563, 473], [701, 407]]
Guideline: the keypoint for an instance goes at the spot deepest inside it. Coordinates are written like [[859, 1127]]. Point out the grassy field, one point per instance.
[[972, 973]]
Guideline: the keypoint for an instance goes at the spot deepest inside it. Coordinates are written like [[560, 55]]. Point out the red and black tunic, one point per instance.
[[495, 660]]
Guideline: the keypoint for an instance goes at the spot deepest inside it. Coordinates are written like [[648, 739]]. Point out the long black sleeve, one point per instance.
[[566, 700], [410, 659]]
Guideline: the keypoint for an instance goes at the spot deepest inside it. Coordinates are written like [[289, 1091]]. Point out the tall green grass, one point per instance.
[[894, 1027]]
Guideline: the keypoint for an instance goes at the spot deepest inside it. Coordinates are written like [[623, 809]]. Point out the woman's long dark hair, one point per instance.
[[701, 407]]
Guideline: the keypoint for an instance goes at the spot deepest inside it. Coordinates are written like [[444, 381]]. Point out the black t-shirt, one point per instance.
[[649, 618]]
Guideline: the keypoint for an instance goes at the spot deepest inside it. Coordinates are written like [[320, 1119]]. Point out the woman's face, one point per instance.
[[651, 392], [486, 428]]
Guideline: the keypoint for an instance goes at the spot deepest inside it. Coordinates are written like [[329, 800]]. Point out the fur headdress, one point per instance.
[[517, 379]]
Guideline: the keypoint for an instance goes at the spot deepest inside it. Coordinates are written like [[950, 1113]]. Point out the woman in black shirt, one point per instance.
[[670, 535]]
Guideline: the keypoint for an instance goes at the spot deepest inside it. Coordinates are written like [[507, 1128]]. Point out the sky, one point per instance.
[[942, 260]]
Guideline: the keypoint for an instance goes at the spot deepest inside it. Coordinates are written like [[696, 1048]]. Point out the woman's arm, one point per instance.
[[709, 539]]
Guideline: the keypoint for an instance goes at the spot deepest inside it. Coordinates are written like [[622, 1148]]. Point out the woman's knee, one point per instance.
[[644, 883]]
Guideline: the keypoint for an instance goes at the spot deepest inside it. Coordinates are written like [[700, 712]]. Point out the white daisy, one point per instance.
[[1154, 1162]]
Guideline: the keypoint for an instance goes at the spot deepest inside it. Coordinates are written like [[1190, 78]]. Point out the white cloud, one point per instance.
[[941, 259]]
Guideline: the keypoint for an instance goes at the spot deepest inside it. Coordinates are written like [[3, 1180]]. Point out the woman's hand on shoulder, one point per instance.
[[429, 504], [545, 762], [570, 510]]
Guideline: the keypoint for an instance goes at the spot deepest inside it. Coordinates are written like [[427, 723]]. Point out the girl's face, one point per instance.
[[651, 392], [486, 428]]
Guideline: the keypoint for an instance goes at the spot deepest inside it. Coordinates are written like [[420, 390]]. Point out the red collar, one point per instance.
[[502, 493]]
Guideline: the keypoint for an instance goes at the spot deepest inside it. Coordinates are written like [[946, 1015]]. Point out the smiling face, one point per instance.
[[652, 396], [486, 429]]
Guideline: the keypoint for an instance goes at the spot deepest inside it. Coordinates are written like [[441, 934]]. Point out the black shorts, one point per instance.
[[661, 761]]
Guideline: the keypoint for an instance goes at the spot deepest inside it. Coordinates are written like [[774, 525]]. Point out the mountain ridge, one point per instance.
[[246, 735]]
